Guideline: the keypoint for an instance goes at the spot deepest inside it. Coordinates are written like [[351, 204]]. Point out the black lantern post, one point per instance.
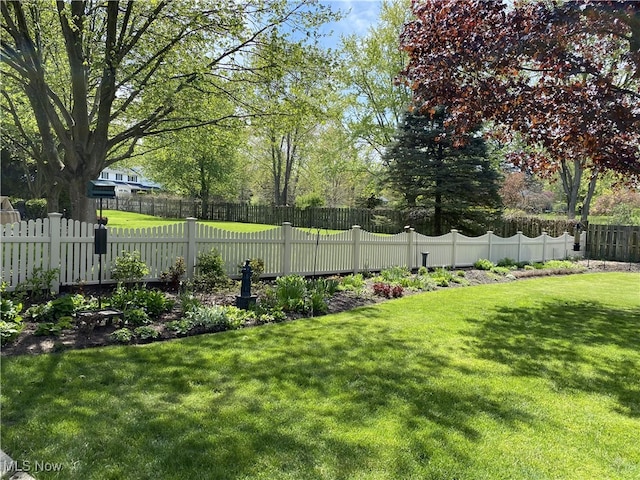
[[100, 189]]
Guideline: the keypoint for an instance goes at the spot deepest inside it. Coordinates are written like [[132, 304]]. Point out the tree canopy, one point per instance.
[[565, 76], [444, 185], [100, 76]]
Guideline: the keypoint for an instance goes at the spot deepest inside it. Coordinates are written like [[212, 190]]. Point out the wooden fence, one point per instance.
[[56, 242], [374, 220], [613, 242]]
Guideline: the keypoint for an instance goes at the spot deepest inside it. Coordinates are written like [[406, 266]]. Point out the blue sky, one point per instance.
[[359, 16]]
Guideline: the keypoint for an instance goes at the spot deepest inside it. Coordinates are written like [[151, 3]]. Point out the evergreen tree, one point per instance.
[[444, 185]]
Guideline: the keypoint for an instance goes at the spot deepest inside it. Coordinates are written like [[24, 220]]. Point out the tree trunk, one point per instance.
[[571, 185], [82, 207], [586, 204]]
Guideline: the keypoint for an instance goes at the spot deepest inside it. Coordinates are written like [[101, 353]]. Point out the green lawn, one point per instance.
[[118, 219], [535, 379]]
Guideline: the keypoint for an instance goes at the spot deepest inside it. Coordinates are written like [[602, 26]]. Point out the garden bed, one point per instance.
[[101, 333]]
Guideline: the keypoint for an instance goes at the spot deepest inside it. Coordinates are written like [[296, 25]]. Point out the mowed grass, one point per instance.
[[536, 379], [118, 219]]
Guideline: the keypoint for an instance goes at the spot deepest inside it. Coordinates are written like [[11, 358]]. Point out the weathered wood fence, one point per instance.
[[373, 220], [613, 242], [55, 242]]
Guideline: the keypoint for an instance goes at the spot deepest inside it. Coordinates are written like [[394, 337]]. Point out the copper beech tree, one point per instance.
[[564, 77]]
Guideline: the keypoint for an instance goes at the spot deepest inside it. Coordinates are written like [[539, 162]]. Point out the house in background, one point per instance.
[[129, 181]]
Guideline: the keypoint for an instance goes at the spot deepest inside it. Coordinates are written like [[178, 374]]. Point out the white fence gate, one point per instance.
[[55, 242]]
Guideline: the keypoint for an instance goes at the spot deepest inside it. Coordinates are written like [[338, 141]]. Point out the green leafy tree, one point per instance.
[[370, 67], [294, 92], [443, 184], [202, 162], [101, 76]]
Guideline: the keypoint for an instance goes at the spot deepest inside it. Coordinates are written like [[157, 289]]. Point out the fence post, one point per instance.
[[454, 241], [54, 248], [519, 233], [191, 247], [489, 243], [355, 236], [287, 251], [544, 246], [410, 243]]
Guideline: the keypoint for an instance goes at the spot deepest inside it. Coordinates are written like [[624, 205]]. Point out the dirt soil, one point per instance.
[[96, 331]]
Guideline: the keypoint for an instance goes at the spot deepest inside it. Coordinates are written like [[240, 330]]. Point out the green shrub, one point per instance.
[[10, 319], [353, 282], [189, 302], [501, 270], [562, 265], [39, 285], [9, 331], [181, 327], [175, 273], [394, 274], [136, 316], [210, 271], [290, 292], [216, 318], [442, 277], [483, 264], [153, 302], [146, 333], [507, 262], [123, 335], [129, 268], [35, 208]]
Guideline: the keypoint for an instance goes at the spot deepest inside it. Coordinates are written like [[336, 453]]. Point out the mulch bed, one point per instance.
[[95, 336]]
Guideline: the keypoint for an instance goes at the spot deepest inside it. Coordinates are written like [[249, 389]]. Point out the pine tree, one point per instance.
[[443, 185]]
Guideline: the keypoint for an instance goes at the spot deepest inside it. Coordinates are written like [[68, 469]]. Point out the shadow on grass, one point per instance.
[[582, 346], [285, 399]]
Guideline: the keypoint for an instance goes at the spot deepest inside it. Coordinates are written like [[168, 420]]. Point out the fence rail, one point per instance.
[[55, 242]]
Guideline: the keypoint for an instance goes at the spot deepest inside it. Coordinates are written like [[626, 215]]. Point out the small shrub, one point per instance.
[[129, 268], [123, 335], [501, 270], [382, 289], [180, 327], [153, 302], [189, 302], [483, 264], [210, 271], [10, 319], [442, 277], [562, 265], [394, 274], [397, 291], [422, 271], [215, 318], [46, 329], [290, 293], [136, 316], [507, 262], [39, 285], [175, 273], [146, 333], [353, 282]]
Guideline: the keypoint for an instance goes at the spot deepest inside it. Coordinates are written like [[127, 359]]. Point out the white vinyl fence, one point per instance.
[[55, 242]]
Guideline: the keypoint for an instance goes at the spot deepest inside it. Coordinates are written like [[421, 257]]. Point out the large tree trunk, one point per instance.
[[586, 204], [571, 185]]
